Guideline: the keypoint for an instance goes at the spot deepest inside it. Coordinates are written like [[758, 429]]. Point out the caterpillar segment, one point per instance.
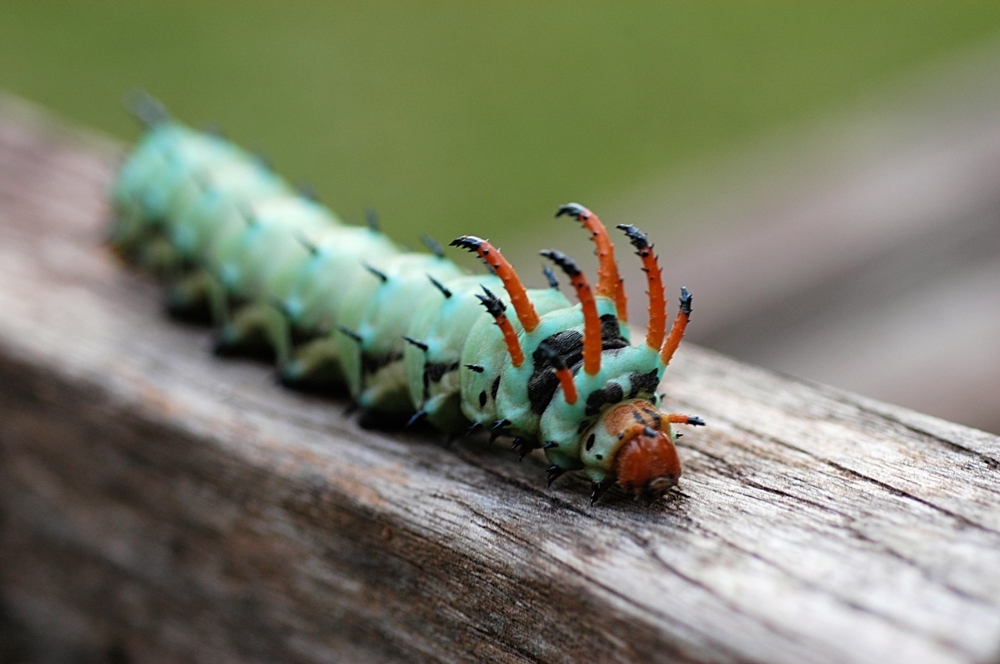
[[410, 336]]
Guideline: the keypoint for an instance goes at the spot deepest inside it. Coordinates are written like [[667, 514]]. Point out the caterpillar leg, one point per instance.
[[198, 294], [313, 366], [158, 255], [444, 412], [385, 395], [199, 297], [258, 328]]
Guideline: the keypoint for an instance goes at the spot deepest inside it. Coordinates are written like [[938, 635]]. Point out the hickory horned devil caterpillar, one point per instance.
[[411, 335]]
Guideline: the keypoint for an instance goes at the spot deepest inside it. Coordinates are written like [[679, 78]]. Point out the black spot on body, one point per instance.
[[590, 441], [495, 387], [482, 399]]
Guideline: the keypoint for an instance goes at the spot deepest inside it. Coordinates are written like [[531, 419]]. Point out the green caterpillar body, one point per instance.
[[410, 335]]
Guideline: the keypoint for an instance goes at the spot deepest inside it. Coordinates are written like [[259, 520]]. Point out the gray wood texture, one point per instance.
[[159, 504]]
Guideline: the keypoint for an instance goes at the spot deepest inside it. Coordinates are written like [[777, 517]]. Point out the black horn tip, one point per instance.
[[574, 210], [470, 242]]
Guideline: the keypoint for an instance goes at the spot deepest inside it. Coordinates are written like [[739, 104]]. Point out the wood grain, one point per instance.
[[159, 504]]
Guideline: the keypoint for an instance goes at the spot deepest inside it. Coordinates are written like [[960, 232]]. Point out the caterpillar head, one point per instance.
[[644, 460], [648, 465], [631, 444]]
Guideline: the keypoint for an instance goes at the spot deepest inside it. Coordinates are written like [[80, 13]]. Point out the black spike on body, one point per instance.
[[551, 276], [549, 444], [264, 160], [383, 277], [553, 473], [432, 245], [478, 368], [686, 301], [280, 305], [493, 304], [371, 218], [248, 214], [203, 180], [473, 428], [309, 245], [349, 332], [419, 344], [695, 422], [469, 242], [441, 287], [213, 129], [635, 236], [597, 489], [145, 108], [417, 416], [499, 424], [564, 262], [308, 192], [498, 429], [574, 210]]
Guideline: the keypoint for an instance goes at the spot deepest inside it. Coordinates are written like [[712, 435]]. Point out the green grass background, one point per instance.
[[458, 117]]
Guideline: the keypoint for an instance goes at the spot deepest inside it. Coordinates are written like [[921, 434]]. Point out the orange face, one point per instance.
[[646, 464]]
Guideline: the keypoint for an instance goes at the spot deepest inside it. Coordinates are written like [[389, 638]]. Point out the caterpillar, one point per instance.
[[410, 335]]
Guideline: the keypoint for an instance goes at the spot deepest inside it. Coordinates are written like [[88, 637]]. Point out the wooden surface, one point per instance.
[[159, 504]]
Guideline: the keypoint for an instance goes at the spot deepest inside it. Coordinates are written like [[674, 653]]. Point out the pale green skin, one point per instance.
[[381, 314], [292, 269], [158, 171]]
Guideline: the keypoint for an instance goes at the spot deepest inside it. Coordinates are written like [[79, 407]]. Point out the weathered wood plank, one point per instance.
[[163, 504]]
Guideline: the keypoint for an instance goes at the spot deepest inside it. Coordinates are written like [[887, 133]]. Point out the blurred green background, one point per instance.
[[454, 117]]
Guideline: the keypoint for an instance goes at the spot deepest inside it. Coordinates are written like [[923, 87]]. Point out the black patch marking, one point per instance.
[[590, 441], [609, 394], [482, 399], [370, 364], [434, 372], [643, 383], [568, 345]]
